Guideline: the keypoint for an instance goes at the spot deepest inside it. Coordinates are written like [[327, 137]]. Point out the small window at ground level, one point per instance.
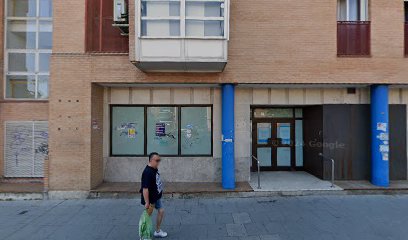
[[25, 148], [168, 130]]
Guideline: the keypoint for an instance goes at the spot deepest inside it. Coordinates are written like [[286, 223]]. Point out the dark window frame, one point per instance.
[[146, 106]]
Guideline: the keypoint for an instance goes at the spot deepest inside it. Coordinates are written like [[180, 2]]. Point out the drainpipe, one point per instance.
[[228, 160], [379, 136]]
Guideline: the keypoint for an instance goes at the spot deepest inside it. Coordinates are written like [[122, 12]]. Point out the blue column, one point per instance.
[[228, 161], [379, 136]]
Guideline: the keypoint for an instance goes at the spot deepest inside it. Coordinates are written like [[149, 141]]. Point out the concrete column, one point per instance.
[[379, 136], [228, 158]]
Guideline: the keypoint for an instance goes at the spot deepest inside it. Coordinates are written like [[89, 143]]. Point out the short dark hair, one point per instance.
[[152, 154]]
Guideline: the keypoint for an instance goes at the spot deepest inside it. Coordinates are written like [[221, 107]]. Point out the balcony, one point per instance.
[[353, 38], [182, 35], [406, 39]]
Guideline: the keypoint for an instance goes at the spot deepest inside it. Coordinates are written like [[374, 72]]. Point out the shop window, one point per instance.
[[25, 147], [168, 130], [162, 130], [127, 133], [182, 18], [101, 36], [28, 48], [196, 130]]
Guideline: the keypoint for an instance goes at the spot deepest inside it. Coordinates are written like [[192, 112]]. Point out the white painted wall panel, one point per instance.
[[205, 49], [160, 48], [119, 96]]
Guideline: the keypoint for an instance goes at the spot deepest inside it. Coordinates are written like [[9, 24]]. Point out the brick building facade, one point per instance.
[[284, 60]]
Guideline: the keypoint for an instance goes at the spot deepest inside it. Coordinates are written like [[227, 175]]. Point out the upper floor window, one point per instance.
[[353, 28], [28, 46], [183, 18], [101, 36], [352, 10]]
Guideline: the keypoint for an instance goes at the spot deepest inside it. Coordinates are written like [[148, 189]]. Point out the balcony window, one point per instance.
[[28, 48], [182, 18], [101, 36], [353, 28]]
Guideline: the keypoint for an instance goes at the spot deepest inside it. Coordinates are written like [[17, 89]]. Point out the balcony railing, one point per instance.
[[406, 39], [353, 38]]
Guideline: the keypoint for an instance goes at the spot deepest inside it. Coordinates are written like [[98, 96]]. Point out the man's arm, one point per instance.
[[146, 197], [148, 207]]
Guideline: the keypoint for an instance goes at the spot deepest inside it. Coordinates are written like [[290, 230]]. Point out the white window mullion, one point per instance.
[[183, 18], [37, 61]]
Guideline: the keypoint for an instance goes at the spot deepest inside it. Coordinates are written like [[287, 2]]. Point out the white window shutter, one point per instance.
[[40, 147], [23, 148]]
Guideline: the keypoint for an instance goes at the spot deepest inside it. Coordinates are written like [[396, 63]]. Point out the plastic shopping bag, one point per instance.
[[145, 226]]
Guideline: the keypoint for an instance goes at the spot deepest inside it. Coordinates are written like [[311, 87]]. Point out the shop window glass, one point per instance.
[[196, 130], [298, 113], [127, 131], [162, 130]]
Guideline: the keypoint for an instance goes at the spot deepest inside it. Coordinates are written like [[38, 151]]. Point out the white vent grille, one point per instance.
[[26, 145]]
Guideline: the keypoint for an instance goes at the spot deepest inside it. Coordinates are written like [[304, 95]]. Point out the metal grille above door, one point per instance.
[[26, 145]]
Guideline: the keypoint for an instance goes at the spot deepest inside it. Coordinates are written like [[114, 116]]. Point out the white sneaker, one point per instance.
[[160, 234]]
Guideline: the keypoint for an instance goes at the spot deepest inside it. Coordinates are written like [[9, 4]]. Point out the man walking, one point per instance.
[[152, 190]]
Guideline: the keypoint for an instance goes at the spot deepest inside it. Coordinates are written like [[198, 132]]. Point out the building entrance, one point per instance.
[[277, 139]]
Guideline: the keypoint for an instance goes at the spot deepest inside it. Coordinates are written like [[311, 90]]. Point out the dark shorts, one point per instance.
[[158, 205]]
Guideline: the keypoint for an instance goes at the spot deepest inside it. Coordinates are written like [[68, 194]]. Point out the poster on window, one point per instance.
[[160, 129]]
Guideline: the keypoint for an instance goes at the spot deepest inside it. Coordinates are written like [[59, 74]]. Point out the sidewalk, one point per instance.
[[278, 218]]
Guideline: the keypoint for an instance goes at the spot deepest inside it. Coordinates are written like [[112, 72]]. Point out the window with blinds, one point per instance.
[[25, 148]]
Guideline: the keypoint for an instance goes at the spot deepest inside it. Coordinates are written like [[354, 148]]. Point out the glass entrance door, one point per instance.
[[273, 143]]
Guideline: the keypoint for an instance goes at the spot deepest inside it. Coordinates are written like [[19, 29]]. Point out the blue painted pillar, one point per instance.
[[228, 161], [379, 136]]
